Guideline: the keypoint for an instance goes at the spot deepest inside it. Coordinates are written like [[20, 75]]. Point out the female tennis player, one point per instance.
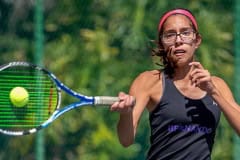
[[183, 99]]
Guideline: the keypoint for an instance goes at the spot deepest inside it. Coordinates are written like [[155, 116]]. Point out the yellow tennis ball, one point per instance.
[[19, 96]]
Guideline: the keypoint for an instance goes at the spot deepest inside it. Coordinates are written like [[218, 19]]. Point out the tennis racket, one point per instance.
[[43, 106]]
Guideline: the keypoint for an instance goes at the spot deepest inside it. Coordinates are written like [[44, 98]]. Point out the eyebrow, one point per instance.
[[181, 29]]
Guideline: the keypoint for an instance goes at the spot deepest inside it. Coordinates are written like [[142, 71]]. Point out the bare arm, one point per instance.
[[128, 122], [223, 96], [129, 115]]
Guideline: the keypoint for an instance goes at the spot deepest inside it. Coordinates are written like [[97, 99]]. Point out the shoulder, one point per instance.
[[147, 80], [147, 88], [149, 76], [223, 88], [218, 81], [221, 85]]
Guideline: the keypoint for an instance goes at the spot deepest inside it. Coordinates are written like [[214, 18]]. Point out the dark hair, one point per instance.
[[165, 63]]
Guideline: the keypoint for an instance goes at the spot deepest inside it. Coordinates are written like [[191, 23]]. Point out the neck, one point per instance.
[[182, 73]]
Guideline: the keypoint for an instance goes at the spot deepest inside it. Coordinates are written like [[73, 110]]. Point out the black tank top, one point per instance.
[[182, 128]]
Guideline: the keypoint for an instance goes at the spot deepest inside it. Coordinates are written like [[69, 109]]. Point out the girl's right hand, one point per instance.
[[124, 105]]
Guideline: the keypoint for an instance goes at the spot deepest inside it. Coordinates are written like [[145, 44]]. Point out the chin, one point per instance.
[[182, 62]]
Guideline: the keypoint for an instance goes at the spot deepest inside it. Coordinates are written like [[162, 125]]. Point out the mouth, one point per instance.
[[179, 52]]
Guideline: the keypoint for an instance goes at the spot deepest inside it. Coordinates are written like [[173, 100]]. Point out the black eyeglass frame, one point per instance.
[[180, 34]]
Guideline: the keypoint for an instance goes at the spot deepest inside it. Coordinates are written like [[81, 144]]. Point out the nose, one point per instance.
[[178, 38]]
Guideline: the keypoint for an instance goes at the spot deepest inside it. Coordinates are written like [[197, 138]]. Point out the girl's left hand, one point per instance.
[[201, 77]]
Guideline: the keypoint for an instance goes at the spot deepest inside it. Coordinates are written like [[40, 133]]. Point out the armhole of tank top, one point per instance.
[[163, 77], [163, 85]]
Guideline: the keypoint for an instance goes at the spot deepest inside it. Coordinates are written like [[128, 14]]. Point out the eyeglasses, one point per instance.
[[186, 36]]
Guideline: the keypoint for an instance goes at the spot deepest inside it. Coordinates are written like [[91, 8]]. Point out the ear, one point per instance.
[[198, 40]]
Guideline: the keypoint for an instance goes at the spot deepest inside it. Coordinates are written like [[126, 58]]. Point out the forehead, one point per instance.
[[176, 22]]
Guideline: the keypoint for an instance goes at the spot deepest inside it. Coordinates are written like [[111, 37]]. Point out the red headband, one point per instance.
[[178, 11]]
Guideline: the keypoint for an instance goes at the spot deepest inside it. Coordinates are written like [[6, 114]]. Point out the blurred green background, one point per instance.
[[97, 47]]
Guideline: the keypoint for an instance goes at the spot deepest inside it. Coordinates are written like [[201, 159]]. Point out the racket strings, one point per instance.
[[43, 96]]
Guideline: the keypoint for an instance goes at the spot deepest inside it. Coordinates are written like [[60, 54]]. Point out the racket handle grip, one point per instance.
[[105, 100]]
